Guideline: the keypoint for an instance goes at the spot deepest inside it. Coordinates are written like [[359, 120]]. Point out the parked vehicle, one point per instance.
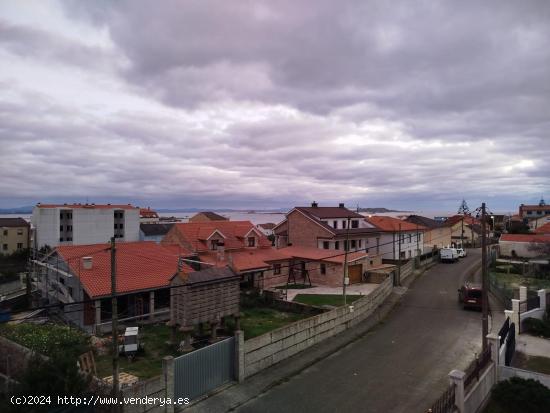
[[131, 342], [448, 255], [461, 252], [470, 296]]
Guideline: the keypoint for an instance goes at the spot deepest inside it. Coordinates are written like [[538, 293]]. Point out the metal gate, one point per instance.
[[204, 369]]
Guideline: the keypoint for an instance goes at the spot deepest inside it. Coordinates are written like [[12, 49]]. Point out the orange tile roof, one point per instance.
[[468, 219], [141, 265], [525, 238], [318, 254], [196, 234], [148, 213], [245, 259], [391, 224], [545, 229], [87, 206]]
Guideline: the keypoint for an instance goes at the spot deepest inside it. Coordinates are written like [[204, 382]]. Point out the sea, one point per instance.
[[264, 217]]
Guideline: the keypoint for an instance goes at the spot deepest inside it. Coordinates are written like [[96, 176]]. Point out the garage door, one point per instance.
[[354, 273]]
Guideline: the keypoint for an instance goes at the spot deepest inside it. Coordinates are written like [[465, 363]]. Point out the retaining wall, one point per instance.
[[270, 348]]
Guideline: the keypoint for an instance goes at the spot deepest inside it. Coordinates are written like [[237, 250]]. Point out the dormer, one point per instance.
[[252, 238], [215, 239]]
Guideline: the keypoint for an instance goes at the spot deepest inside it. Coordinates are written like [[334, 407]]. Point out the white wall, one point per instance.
[[389, 245], [90, 225], [343, 221], [521, 249]]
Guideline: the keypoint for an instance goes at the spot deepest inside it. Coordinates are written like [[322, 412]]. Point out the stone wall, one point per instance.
[[14, 357], [270, 348]]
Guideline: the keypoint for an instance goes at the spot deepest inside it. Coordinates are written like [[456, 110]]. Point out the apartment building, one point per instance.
[[83, 224], [15, 235]]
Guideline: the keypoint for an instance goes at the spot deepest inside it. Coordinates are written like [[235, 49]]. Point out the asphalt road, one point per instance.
[[401, 366]]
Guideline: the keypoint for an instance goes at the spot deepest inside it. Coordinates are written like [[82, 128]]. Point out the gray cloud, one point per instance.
[[280, 103]]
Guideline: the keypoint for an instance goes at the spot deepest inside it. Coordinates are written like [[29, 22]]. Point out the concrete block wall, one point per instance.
[[270, 348]]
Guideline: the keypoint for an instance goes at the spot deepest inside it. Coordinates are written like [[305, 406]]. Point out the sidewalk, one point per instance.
[[533, 346]]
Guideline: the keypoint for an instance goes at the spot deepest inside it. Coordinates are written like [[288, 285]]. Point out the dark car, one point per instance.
[[470, 296]]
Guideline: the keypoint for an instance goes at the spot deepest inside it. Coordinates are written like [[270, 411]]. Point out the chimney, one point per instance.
[[341, 205], [314, 204], [87, 263]]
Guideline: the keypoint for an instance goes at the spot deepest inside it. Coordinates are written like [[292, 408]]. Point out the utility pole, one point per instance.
[[399, 262], [484, 283], [346, 248], [417, 248], [114, 321]]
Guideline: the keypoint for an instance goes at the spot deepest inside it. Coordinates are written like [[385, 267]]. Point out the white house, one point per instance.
[[83, 224], [524, 245], [398, 236]]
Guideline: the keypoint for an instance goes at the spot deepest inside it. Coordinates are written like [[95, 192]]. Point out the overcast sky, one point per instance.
[[275, 103]]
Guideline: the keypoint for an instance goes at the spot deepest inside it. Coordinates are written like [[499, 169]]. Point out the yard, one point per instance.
[[511, 282], [532, 363], [320, 300], [147, 363], [256, 321]]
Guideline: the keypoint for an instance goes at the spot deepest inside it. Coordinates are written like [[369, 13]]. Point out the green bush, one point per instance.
[[537, 327], [48, 339], [520, 395]]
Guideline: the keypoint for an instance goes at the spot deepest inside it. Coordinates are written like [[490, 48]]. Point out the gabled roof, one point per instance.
[[208, 276], [151, 230], [13, 222], [269, 225], [329, 212], [197, 233], [148, 213], [525, 238], [245, 259], [390, 224], [545, 229], [468, 220], [424, 221], [211, 216], [143, 265]]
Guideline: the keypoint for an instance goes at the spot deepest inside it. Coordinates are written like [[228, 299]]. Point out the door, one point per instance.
[[355, 273]]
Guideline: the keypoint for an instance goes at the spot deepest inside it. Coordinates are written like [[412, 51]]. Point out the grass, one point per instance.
[[325, 299], [532, 363], [514, 281], [493, 407], [260, 320], [148, 363]]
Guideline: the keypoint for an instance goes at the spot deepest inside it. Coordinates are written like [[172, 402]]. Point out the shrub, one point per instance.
[[520, 395], [537, 327], [48, 339]]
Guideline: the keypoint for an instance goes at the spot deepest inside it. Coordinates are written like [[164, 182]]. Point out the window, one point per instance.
[[19, 245], [344, 224], [5, 232], [371, 262], [61, 228], [345, 245], [70, 291], [323, 269], [20, 231], [61, 215], [353, 244], [355, 224], [70, 215], [69, 227], [69, 238], [5, 247], [402, 238], [529, 212], [276, 269], [360, 243], [410, 238], [326, 245], [61, 239], [251, 241], [337, 245], [418, 237], [335, 224], [120, 226]]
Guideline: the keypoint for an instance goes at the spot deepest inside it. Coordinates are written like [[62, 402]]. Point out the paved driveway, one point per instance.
[[401, 366]]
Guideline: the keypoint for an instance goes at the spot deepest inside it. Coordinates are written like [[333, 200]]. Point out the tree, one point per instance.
[[463, 208]]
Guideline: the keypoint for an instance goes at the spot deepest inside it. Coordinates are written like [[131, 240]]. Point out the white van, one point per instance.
[[448, 255]]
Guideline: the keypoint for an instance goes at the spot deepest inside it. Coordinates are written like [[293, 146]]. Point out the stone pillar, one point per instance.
[[515, 316], [214, 331], [522, 293], [151, 305], [237, 321], [542, 296], [239, 356], [494, 341], [168, 372], [456, 377], [186, 346], [97, 304]]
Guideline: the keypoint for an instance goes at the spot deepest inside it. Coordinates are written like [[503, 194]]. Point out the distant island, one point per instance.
[[17, 210], [378, 210]]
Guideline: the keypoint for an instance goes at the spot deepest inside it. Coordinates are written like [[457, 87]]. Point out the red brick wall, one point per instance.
[[303, 231]]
